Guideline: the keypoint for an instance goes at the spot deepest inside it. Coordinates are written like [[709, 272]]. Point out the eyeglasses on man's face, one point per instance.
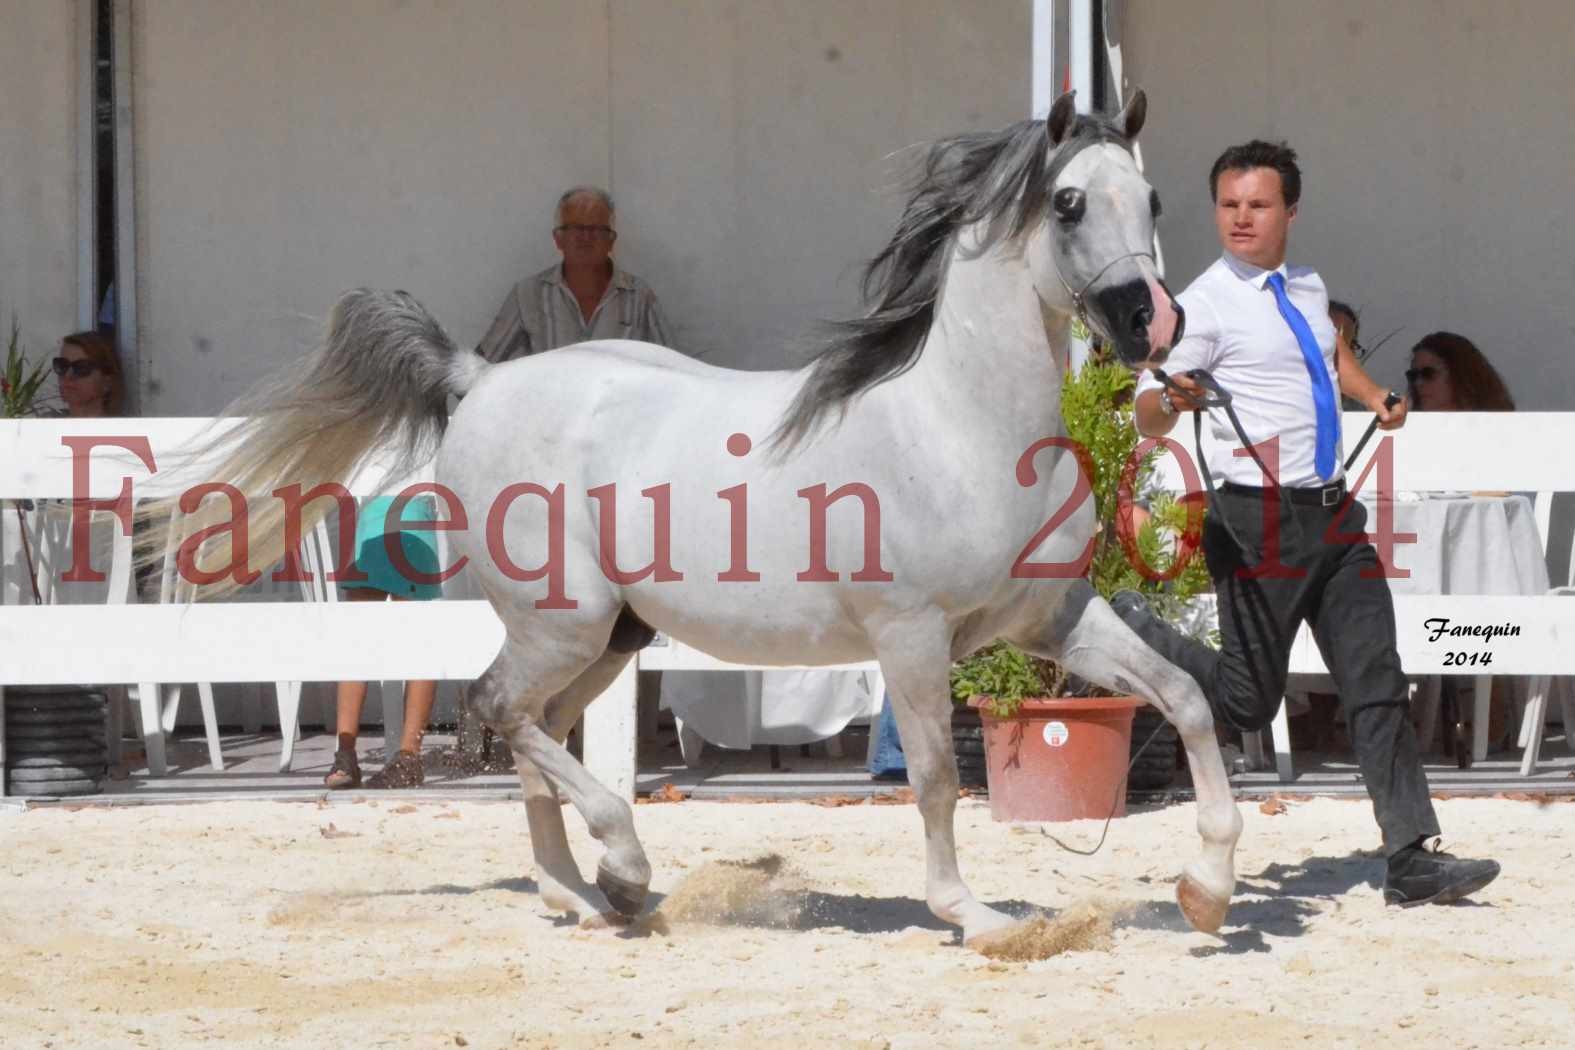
[[1426, 373], [80, 369], [594, 233]]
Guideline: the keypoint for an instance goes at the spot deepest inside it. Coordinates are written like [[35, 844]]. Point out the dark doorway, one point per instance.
[[104, 161]]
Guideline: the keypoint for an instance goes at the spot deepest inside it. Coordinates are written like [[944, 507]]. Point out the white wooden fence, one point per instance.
[[456, 639], [251, 641]]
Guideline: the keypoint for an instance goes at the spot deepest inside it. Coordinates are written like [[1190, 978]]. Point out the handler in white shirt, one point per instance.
[[1262, 329], [1235, 331]]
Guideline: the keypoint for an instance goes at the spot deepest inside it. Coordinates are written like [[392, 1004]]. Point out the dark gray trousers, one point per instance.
[[1335, 586]]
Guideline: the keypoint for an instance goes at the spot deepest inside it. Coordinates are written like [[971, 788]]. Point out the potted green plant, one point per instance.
[[19, 380], [1002, 673], [1056, 747]]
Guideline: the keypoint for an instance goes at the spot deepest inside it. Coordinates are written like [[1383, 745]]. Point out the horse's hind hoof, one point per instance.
[[1202, 909], [626, 897]]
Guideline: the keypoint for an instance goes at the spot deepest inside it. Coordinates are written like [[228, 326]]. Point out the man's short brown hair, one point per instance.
[[1260, 154]]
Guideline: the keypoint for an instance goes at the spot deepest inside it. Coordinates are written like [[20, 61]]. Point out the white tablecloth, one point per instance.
[[740, 709], [1466, 545]]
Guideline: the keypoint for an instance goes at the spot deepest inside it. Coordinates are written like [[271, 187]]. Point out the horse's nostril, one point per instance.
[[1142, 319]]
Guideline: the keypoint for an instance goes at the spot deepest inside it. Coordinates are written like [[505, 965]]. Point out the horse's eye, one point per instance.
[[1153, 202], [1069, 204]]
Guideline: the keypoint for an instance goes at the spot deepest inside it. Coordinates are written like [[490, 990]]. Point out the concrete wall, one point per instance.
[[752, 146], [38, 204], [1437, 149], [38, 174], [287, 153]]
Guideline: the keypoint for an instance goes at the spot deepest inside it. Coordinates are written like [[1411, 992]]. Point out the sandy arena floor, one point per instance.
[[389, 924]]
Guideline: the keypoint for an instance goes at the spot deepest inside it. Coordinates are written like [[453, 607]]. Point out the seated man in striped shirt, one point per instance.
[[584, 296]]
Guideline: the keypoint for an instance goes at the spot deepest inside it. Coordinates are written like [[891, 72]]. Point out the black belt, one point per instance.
[[1327, 496]]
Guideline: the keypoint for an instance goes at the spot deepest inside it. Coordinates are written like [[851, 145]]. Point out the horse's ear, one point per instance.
[[1062, 116], [1132, 115]]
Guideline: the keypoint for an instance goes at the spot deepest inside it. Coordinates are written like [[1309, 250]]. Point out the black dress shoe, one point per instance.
[[1419, 875], [1189, 654]]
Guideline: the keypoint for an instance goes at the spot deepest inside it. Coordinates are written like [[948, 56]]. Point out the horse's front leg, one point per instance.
[[916, 660], [1091, 641]]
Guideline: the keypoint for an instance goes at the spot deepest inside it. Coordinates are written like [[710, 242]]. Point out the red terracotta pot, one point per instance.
[[1060, 759]]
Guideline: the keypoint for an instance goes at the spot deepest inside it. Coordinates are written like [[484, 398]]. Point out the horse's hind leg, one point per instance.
[[534, 729], [1091, 641], [915, 660]]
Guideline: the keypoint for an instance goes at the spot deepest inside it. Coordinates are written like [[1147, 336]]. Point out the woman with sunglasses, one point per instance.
[[91, 383], [1449, 374]]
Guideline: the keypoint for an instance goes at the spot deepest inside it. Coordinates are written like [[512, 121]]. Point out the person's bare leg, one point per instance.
[[349, 698], [419, 697], [348, 701]]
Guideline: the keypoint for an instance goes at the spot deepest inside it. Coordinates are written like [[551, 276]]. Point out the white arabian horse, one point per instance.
[[892, 499]]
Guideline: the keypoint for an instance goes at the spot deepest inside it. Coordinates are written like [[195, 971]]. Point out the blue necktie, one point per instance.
[[1324, 458]]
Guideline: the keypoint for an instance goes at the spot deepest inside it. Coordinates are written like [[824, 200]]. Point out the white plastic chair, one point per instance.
[[160, 704], [1533, 723]]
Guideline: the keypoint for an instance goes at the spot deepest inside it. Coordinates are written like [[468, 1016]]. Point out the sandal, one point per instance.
[[345, 773], [402, 771]]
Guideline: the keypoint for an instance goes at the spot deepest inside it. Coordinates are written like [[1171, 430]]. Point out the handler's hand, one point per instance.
[[1392, 418], [1190, 401]]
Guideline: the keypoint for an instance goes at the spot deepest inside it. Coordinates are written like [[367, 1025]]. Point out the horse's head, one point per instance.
[[1098, 245]]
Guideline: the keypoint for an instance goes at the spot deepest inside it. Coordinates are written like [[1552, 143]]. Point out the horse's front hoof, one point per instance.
[[627, 898], [983, 936], [1203, 910]]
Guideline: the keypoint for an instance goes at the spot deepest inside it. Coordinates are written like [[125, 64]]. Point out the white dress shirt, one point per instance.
[[1234, 329]]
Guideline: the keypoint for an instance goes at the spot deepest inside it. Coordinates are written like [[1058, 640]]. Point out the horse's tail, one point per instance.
[[380, 381]]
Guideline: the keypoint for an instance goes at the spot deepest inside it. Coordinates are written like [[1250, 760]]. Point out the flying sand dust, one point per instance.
[[1084, 926], [767, 892], [759, 892]]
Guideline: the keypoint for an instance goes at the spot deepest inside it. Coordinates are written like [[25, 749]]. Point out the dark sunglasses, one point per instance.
[[1427, 372], [80, 369]]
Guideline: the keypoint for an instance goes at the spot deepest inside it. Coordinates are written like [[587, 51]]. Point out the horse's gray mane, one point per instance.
[[976, 177]]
